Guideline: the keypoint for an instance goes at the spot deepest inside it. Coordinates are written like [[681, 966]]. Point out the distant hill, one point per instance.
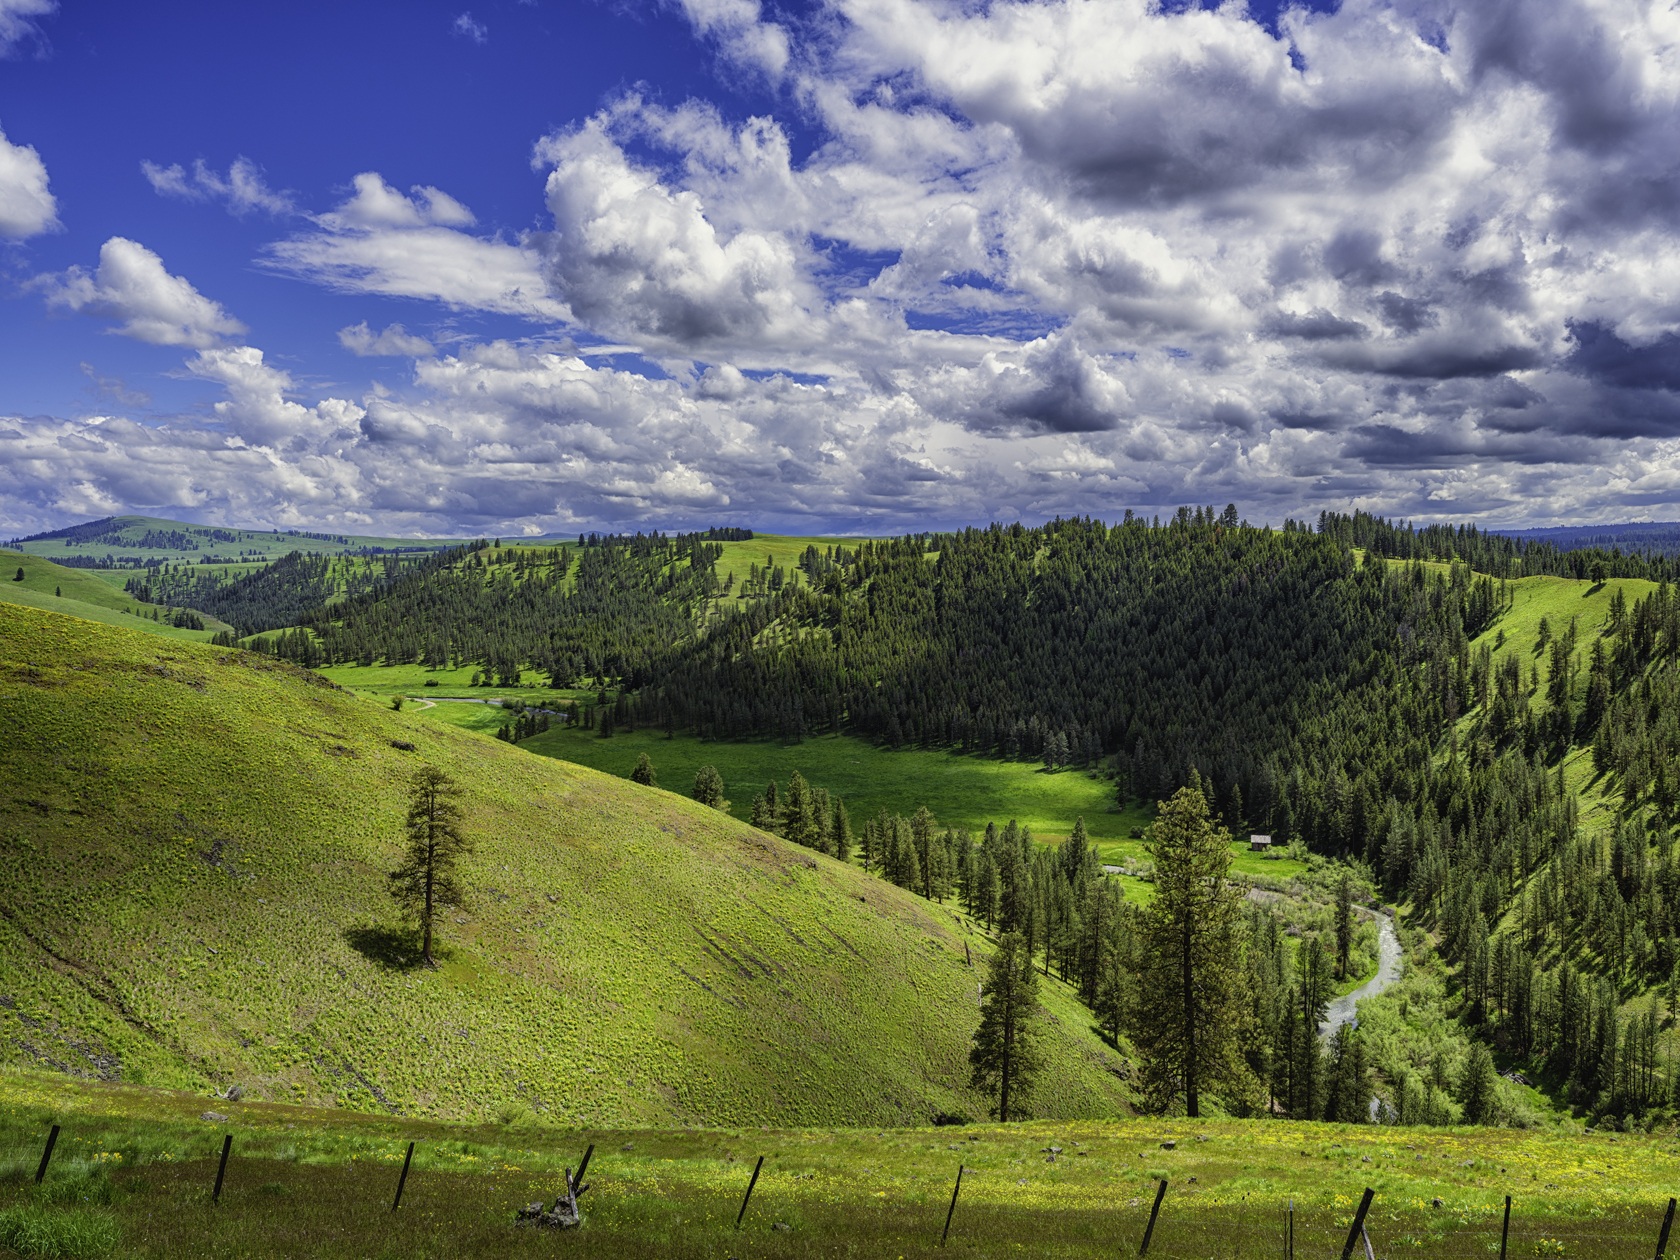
[[1660, 538], [80, 593], [136, 541], [193, 843]]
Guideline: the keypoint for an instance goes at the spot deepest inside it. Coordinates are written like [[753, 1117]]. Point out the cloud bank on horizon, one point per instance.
[[968, 263]]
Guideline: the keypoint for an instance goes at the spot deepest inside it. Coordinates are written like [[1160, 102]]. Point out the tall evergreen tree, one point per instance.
[[1344, 924], [1006, 1059], [1185, 1017], [426, 881], [644, 772], [798, 818]]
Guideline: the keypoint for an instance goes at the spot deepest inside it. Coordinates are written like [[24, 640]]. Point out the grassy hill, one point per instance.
[[79, 593], [193, 842]]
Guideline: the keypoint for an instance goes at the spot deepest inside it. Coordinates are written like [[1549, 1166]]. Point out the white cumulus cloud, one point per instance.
[[27, 207], [132, 285], [382, 241], [1420, 257]]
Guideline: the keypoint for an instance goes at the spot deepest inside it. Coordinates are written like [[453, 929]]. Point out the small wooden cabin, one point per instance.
[[1259, 844]]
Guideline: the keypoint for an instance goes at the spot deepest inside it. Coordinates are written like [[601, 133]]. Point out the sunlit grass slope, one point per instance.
[[78, 593], [193, 844], [1516, 632]]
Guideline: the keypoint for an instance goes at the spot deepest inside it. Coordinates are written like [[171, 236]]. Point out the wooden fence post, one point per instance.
[[221, 1169], [741, 1215], [1505, 1233], [1668, 1223], [584, 1167], [46, 1155], [1289, 1234], [952, 1211], [1358, 1223], [403, 1180], [1149, 1230]]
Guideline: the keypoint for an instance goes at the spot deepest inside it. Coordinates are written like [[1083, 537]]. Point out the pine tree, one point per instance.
[[798, 813], [1073, 851], [1186, 1019], [921, 833], [644, 772], [426, 881], [1006, 1058], [1478, 1089], [1344, 924], [708, 788]]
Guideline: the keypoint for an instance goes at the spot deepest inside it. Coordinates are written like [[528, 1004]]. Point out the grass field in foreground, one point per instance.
[[305, 1182]]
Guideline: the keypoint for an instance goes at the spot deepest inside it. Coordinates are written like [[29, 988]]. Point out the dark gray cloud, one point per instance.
[[1603, 356], [1315, 325]]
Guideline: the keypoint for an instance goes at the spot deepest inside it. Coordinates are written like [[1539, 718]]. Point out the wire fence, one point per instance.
[[1273, 1233], [1159, 1225]]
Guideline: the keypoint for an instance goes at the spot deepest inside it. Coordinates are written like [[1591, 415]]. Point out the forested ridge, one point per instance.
[[285, 593], [515, 609]]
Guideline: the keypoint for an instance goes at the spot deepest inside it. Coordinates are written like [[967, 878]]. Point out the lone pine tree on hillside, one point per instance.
[[426, 880], [1006, 1058], [644, 772], [1184, 1011]]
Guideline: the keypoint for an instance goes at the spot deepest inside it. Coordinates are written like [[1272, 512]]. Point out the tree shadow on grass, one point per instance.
[[393, 948]]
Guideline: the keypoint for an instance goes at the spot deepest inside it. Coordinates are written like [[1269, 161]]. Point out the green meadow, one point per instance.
[[135, 1168], [961, 791]]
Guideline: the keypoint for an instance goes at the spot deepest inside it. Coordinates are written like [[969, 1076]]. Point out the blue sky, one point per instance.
[[314, 94], [847, 265]]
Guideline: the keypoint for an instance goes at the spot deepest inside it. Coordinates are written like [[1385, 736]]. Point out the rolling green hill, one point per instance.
[[78, 593], [193, 843]]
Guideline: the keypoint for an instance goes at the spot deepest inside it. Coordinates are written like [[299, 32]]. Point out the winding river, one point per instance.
[[1343, 1009]]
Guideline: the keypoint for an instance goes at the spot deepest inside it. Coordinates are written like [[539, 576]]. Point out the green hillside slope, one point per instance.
[[192, 850], [78, 593]]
